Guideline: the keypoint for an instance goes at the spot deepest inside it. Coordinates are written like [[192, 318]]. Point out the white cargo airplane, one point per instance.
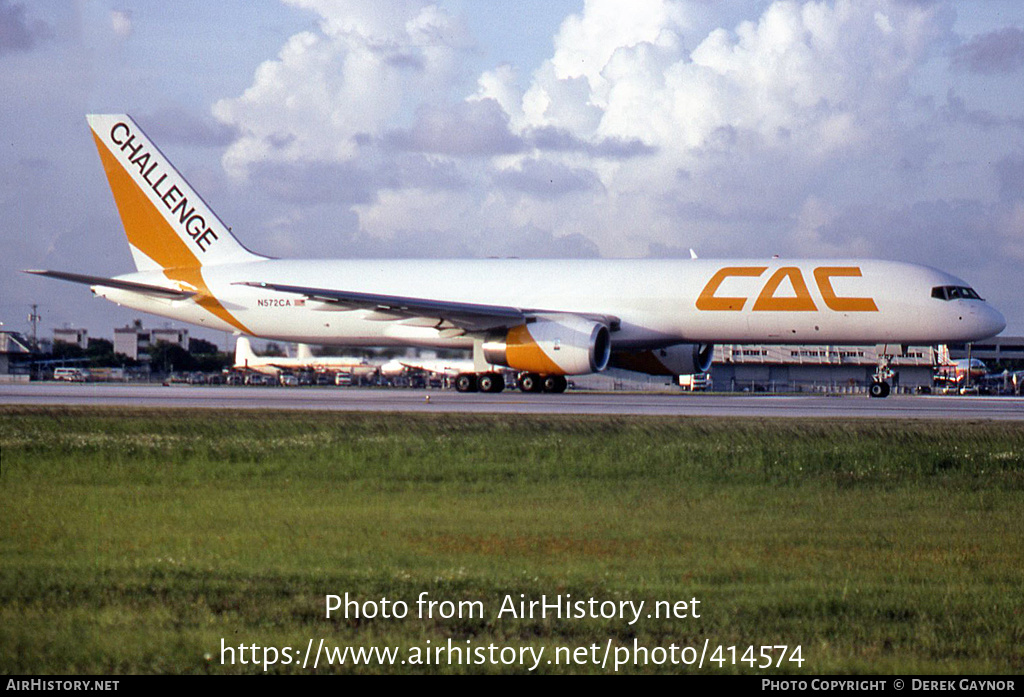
[[544, 318], [443, 367], [246, 359]]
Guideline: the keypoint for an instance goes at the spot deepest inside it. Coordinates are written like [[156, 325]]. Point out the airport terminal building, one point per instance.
[[784, 368], [771, 368], [134, 341], [1000, 348]]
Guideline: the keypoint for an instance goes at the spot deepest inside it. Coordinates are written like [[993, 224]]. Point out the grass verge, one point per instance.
[[135, 541]]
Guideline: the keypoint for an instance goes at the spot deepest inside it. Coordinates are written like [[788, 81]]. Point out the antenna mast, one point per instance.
[[34, 319]]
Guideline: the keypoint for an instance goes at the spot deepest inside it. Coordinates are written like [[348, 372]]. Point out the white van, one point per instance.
[[70, 374]]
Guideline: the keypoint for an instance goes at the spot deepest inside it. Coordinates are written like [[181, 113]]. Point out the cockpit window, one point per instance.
[[955, 293]]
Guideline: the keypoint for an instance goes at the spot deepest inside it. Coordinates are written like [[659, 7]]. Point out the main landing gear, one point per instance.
[[532, 382], [485, 379], [495, 382], [480, 382]]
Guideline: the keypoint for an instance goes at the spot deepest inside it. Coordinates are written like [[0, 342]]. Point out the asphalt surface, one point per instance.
[[514, 402]]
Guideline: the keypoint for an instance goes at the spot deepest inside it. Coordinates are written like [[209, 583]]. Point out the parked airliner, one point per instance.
[[545, 319], [246, 359]]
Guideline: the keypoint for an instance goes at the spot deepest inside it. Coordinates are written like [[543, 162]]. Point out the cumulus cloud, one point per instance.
[[177, 125], [503, 242], [18, 32], [121, 22], [476, 128], [316, 182], [547, 180], [1010, 174], [552, 139], [957, 111], [824, 73], [370, 62], [802, 89], [646, 131], [1000, 51]]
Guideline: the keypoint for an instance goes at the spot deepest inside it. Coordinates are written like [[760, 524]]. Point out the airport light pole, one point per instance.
[[34, 319]]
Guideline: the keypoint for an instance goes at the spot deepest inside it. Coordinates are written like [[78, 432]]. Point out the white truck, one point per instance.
[[695, 382]]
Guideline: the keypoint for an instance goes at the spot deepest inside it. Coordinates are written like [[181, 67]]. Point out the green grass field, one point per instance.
[[134, 541]]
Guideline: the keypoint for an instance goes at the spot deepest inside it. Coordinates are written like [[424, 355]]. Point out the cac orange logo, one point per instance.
[[767, 300]]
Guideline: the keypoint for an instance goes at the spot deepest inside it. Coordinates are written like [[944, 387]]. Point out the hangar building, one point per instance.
[[15, 352], [770, 368]]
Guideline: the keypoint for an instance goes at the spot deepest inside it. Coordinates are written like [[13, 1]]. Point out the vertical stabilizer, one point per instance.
[[244, 355], [168, 224]]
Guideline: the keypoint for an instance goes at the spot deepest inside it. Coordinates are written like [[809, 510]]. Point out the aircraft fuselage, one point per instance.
[[658, 302]]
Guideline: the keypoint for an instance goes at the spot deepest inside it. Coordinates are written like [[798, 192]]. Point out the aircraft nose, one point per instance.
[[989, 321]]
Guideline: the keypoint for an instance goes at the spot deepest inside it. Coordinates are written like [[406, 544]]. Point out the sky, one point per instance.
[[889, 129]]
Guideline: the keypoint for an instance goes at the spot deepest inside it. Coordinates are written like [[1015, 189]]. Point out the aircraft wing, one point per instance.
[[279, 366], [145, 288], [439, 369], [445, 314]]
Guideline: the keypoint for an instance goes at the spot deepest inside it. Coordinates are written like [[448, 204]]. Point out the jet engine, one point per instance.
[[551, 346], [680, 359]]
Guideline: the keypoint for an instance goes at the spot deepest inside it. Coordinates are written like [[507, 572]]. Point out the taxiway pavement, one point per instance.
[[509, 402]]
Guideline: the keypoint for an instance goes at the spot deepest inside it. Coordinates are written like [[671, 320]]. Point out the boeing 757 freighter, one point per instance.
[[545, 319]]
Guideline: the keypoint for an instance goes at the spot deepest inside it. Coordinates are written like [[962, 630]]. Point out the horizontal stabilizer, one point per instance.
[[160, 291]]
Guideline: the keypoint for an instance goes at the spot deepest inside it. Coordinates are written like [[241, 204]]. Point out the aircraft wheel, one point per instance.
[[879, 390], [491, 382], [555, 383], [466, 382], [531, 382]]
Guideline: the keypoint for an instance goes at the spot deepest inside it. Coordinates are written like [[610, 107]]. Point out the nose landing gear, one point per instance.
[[879, 389], [880, 386]]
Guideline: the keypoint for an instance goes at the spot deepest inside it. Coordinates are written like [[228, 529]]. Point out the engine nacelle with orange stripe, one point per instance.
[[681, 359], [563, 346]]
